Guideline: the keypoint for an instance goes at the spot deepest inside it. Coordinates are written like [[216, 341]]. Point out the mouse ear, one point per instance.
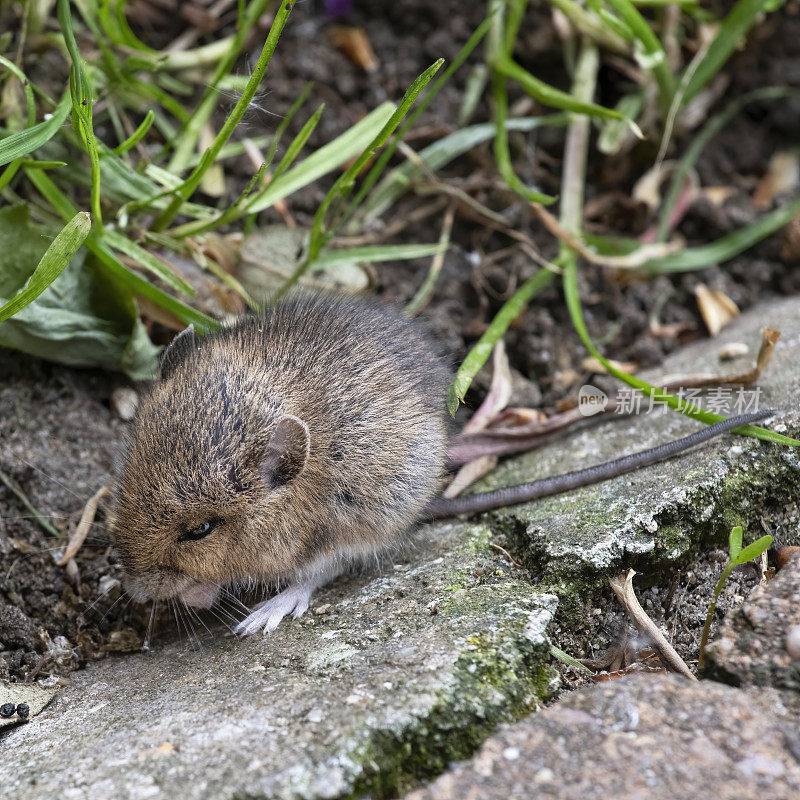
[[287, 451], [178, 350]]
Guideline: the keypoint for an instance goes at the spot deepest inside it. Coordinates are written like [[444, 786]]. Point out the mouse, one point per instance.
[[295, 445]]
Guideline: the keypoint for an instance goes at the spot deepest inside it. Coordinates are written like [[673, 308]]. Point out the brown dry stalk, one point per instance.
[[622, 585], [631, 261], [87, 518]]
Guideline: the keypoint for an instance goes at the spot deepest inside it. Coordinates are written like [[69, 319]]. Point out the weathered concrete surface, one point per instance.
[[387, 675], [645, 737], [659, 514], [759, 642]]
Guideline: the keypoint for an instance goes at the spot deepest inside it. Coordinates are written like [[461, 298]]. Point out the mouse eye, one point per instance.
[[199, 531]]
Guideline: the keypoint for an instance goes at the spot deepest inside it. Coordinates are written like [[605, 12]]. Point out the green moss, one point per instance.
[[496, 680]]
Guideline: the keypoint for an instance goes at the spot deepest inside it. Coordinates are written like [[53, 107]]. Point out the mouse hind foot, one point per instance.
[[293, 600]]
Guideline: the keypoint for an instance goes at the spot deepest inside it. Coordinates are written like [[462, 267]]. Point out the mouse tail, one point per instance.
[[525, 492]]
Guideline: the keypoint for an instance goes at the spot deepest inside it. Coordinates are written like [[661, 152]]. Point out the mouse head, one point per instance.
[[211, 478]]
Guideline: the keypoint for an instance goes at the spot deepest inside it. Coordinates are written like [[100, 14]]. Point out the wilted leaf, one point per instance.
[[353, 42], [783, 176], [716, 308]]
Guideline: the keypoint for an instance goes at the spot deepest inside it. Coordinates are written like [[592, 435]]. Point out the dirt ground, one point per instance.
[[59, 437]]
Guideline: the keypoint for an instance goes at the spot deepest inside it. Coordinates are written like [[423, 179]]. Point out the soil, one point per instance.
[[59, 436]]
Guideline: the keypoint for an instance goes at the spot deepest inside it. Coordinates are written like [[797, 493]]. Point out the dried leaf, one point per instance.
[[783, 176], [716, 308], [733, 350], [591, 364], [470, 473], [353, 42]]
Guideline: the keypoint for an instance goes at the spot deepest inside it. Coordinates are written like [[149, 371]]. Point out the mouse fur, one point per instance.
[[281, 449]]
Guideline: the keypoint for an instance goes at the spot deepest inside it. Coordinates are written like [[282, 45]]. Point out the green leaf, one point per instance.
[[551, 96], [694, 258], [753, 550], [82, 319], [387, 252], [324, 160], [476, 357], [52, 264], [23, 142], [735, 543]]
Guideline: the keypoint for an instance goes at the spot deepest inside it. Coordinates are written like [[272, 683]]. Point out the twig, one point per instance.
[[505, 552], [769, 338], [623, 588], [87, 518]]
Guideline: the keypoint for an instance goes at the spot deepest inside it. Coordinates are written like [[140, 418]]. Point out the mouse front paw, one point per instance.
[[267, 615]]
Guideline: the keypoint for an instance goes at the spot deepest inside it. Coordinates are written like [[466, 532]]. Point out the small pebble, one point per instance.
[[23, 709], [7, 710], [793, 642], [125, 401], [733, 350]]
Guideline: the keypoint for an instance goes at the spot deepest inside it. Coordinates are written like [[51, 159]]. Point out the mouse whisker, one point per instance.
[[186, 614], [173, 606], [146, 642], [194, 615], [50, 478], [108, 610], [222, 619]]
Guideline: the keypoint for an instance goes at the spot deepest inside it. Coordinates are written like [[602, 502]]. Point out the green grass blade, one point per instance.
[[320, 232], [731, 34], [81, 94], [502, 153], [551, 96], [653, 58], [324, 160], [570, 282], [198, 119], [21, 143], [439, 154], [694, 258], [137, 135], [379, 166], [210, 156], [607, 36], [376, 253], [115, 267], [52, 264], [120, 242], [482, 349], [27, 88]]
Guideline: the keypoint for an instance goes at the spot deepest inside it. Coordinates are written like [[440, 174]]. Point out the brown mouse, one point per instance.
[[293, 445], [281, 450]]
